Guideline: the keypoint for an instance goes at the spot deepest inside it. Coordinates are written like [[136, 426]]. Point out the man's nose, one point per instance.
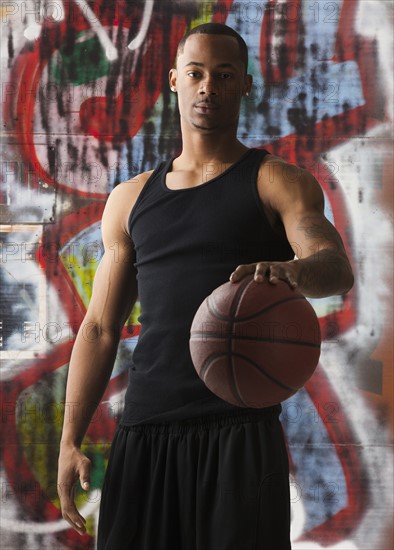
[[208, 87]]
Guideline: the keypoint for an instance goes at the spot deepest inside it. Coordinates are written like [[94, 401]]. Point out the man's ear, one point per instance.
[[247, 84], [172, 77]]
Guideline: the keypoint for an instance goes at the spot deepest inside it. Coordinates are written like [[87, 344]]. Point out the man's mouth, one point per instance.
[[206, 107]]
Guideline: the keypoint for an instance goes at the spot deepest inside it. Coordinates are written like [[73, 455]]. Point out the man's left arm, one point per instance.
[[321, 267]]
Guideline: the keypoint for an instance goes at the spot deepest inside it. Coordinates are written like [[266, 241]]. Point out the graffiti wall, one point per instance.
[[85, 105]]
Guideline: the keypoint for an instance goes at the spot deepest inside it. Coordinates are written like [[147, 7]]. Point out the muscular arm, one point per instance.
[[321, 267], [95, 348], [94, 352]]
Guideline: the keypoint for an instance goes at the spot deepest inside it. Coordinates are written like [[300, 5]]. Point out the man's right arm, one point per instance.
[[94, 352]]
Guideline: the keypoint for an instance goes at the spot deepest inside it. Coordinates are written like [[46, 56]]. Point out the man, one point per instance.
[[188, 470]]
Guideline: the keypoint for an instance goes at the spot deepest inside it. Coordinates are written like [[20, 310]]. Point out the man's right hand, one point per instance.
[[114, 293], [73, 465]]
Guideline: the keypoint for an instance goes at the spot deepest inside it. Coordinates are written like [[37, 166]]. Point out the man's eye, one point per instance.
[[225, 76], [193, 74]]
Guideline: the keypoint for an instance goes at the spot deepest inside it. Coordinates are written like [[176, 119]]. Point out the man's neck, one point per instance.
[[199, 148]]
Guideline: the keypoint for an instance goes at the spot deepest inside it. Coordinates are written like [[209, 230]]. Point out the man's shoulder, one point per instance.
[[129, 190], [134, 182], [271, 160], [282, 183], [275, 173], [269, 179], [122, 199]]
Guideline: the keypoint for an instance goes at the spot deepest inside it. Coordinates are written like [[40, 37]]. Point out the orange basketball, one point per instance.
[[255, 344]]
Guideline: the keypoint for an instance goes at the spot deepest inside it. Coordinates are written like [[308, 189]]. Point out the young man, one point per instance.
[[188, 470]]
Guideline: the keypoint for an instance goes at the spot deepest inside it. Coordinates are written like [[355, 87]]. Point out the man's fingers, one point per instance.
[[244, 269], [264, 271], [277, 273], [66, 491], [274, 274], [292, 281], [74, 518], [261, 272], [73, 466], [84, 473], [69, 510]]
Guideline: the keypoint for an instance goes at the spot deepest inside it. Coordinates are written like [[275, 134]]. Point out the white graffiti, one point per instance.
[[36, 18]]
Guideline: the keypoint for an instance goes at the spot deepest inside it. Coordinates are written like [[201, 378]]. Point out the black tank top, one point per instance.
[[187, 243]]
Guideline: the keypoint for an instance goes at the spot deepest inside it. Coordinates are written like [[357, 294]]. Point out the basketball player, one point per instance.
[[188, 471]]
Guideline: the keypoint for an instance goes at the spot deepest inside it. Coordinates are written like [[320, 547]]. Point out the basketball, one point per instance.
[[255, 344]]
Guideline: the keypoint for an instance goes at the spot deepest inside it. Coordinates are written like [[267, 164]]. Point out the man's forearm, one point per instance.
[[326, 273], [91, 364]]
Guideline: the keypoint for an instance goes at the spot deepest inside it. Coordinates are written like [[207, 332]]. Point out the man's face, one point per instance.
[[210, 81]]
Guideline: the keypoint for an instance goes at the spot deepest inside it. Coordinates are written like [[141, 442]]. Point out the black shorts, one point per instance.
[[212, 483]]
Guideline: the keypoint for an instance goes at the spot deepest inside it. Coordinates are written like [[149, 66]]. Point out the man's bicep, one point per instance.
[[114, 291], [115, 283]]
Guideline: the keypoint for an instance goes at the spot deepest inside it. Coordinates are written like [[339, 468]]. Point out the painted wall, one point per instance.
[[86, 104]]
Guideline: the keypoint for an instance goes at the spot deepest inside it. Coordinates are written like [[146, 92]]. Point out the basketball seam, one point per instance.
[[233, 311], [234, 379], [265, 373], [271, 306], [195, 335], [212, 309], [231, 320], [208, 362]]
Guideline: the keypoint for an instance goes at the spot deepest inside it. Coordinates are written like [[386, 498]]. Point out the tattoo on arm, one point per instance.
[[315, 230], [327, 270], [323, 275]]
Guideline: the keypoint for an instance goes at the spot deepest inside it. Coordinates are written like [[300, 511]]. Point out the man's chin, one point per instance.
[[206, 128]]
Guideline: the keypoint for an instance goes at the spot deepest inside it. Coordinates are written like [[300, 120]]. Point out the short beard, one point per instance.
[[204, 127]]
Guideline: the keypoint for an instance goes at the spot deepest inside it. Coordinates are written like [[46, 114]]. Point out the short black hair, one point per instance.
[[217, 28]]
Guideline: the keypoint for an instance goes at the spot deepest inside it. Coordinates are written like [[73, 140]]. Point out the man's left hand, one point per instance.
[[269, 271]]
